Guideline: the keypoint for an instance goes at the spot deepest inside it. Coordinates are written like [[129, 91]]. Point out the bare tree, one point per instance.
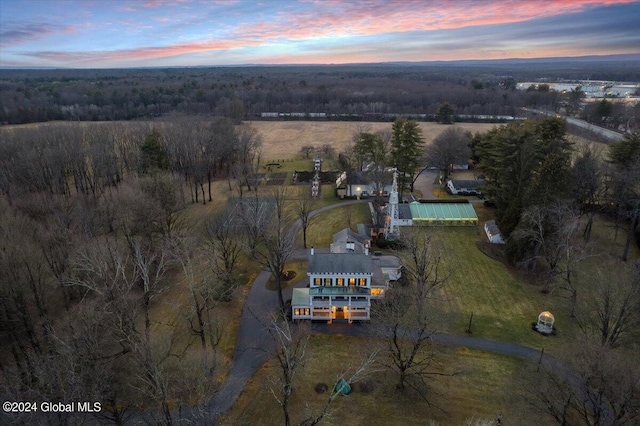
[[611, 314], [255, 214], [278, 244], [360, 371], [546, 233], [206, 293], [449, 148], [291, 345], [224, 248], [596, 385], [290, 350], [404, 315], [304, 206], [588, 184], [306, 151]]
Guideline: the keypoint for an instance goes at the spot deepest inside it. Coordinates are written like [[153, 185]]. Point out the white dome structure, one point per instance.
[[545, 322]]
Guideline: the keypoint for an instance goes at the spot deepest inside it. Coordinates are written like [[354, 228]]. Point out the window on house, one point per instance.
[[362, 282], [327, 281], [340, 281], [317, 281], [352, 281], [296, 311], [307, 311]]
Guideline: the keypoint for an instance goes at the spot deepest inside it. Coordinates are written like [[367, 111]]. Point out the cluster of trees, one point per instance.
[[45, 95], [79, 283], [93, 233], [535, 184], [67, 159]]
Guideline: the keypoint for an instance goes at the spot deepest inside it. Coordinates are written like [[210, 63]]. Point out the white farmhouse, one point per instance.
[[339, 288], [342, 283]]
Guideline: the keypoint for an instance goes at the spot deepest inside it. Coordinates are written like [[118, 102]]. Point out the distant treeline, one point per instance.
[[379, 92]]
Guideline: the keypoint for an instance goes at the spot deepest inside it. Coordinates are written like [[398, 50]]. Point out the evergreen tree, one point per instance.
[[154, 155], [525, 164], [407, 147], [444, 114]]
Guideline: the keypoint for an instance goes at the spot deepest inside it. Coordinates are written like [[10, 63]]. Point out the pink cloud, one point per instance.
[[347, 18], [138, 54]]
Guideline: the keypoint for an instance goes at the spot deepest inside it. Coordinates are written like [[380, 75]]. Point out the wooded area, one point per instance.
[[245, 92]]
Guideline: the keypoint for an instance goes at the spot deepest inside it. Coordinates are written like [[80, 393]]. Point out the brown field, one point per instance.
[[282, 140]]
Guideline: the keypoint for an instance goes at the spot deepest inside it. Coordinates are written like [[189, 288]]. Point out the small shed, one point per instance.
[[493, 232], [545, 322]]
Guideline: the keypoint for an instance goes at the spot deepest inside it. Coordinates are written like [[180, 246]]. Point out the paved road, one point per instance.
[[609, 134], [254, 346], [425, 184]]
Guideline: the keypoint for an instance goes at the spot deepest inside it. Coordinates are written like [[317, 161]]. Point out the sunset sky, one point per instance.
[[119, 33]]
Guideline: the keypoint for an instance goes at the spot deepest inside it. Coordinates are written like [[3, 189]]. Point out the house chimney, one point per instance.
[[311, 250], [366, 248]]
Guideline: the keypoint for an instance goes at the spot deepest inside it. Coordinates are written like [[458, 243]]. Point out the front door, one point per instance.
[[339, 313]]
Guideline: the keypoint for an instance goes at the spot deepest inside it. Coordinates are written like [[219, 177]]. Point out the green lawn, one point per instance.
[[482, 386], [503, 306], [322, 227]]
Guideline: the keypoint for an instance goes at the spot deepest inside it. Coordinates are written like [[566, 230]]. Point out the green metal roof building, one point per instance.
[[451, 214]]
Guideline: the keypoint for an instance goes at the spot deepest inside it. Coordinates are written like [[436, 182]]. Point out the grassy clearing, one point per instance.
[[503, 306], [322, 227], [283, 139], [503, 302], [481, 388]]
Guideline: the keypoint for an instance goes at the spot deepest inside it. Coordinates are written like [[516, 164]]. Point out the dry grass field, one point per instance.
[[282, 140]]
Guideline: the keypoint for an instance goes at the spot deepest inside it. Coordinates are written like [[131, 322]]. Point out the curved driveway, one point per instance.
[[254, 345]]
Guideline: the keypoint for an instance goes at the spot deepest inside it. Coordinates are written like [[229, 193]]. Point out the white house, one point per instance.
[[339, 288], [493, 233], [465, 187], [342, 283], [357, 184]]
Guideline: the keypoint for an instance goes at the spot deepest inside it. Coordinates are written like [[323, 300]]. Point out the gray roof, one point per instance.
[[467, 184], [357, 178], [348, 235], [404, 211], [341, 238], [491, 226], [349, 263], [387, 261]]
